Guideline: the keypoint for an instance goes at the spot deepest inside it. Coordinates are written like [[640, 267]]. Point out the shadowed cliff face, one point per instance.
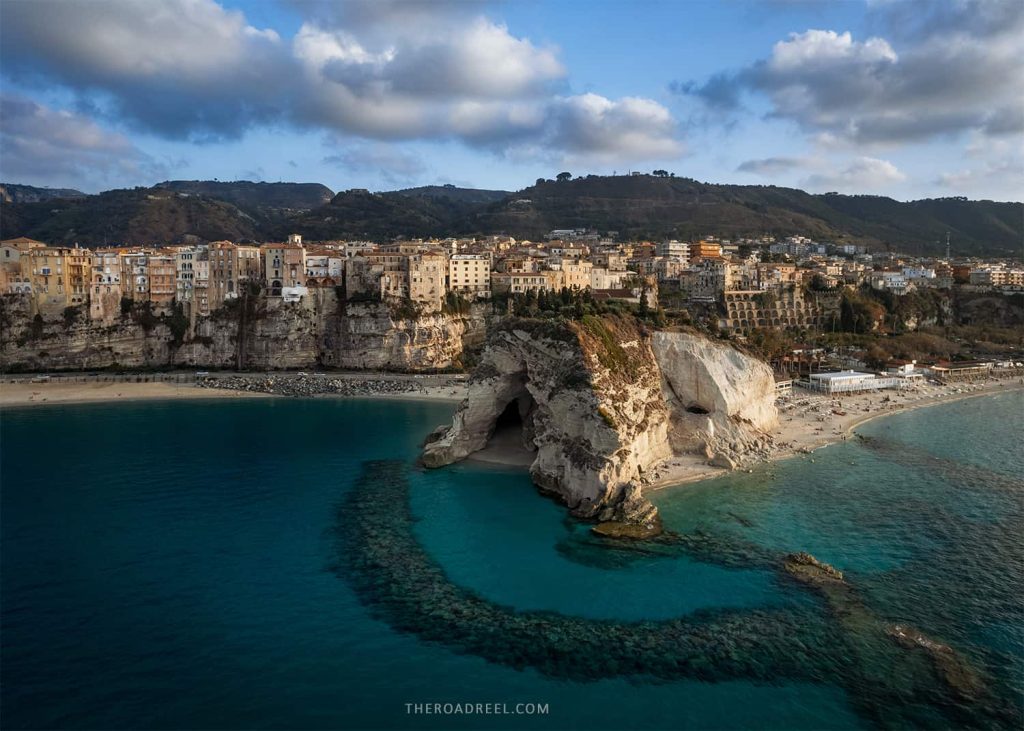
[[607, 403]]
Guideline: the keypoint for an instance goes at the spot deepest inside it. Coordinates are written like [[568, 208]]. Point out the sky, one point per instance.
[[905, 98]]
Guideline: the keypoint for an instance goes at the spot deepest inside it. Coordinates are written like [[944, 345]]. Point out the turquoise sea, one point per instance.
[[284, 564]]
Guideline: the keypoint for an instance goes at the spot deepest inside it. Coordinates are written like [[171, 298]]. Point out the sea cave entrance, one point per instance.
[[511, 439]]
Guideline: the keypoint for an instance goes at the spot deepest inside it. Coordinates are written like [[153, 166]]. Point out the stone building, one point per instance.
[[470, 275], [427, 274], [60, 278], [105, 293], [783, 307], [14, 277], [163, 281], [284, 267]]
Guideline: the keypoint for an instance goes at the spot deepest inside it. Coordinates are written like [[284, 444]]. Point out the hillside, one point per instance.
[[646, 206], [140, 216], [253, 197], [14, 193], [636, 207], [379, 216], [452, 193]]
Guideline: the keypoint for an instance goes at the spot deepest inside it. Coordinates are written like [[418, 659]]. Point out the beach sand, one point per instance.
[[25, 393], [36, 394], [808, 421]]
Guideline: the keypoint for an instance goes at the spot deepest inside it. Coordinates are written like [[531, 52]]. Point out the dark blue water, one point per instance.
[[173, 565]]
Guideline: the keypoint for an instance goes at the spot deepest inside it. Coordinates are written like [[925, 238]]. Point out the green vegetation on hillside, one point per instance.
[[635, 207]]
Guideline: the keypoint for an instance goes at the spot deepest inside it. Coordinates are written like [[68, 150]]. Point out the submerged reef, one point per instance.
[[893, 677]]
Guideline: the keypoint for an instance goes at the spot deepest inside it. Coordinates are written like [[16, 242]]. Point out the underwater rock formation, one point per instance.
[[893, 676]]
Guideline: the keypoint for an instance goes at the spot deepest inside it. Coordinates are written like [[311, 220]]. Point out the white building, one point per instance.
[[850, 382], [184, 260], [674, 250], [895, 282], [470, 274]]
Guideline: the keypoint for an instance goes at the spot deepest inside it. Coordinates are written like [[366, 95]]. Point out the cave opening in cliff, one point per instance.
[[512, 435], [510, 418], [697, 409]]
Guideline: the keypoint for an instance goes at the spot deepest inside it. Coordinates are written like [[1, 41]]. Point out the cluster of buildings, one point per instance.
[[202, 278], [757, 283]]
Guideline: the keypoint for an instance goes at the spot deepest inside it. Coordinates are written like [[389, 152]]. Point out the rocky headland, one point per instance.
[[602, 402]]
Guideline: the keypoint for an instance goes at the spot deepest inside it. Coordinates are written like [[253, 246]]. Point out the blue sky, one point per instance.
[[905, 98]]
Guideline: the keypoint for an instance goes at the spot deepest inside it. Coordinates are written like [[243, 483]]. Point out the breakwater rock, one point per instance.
[[317, 385], [893, 677]]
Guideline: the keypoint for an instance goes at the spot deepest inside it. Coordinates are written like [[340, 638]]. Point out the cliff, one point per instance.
[[588, 398], [260, 334], [722, 401], [601, 402]]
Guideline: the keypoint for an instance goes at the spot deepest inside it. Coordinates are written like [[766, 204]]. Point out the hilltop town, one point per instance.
[[794, 284]]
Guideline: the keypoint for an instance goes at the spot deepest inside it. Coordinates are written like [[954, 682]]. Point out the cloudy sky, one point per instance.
[[905, 98]]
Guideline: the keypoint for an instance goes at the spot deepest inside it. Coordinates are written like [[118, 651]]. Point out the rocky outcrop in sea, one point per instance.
[[602, 402]]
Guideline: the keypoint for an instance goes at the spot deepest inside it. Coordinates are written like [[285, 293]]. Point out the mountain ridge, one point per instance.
[[634, 206]]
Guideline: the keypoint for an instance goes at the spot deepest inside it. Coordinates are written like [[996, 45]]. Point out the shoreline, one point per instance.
[[807, 421], [27, 394], [24, 395], [804, 429]]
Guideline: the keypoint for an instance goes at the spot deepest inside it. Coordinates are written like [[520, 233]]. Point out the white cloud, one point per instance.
[[1001, 179], [593, 127], [180, 68], [393, 165], [771, 166], [955, 67], [862, 175], [44, 145], [387, 70]]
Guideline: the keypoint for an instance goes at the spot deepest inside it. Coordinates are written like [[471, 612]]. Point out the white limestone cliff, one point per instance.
[[718, 396]]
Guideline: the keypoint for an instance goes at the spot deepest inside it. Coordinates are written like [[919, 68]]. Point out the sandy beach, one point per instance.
[[26, 393], [41, 394], [809, 421]]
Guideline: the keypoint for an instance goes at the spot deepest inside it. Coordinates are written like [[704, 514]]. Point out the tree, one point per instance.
[[562, 177], [819, 283], [661, 173], [540, 181], [644, 308]]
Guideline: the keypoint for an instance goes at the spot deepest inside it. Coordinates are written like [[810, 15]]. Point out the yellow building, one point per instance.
[[163, 281], [575, 273], [705, 250], [15, 278], [60, 278]]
